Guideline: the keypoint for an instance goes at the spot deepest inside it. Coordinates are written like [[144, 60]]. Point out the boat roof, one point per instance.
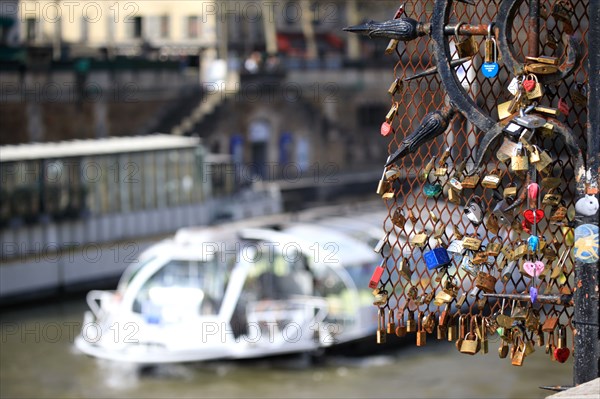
[[103, 146]]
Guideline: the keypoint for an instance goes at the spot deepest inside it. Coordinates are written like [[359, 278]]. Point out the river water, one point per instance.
[[38, 359]]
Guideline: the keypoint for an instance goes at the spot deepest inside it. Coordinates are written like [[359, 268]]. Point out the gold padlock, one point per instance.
[[401, 328], [395, 86], [453, 196], [421, 334], [492, 180], [404, 268], [441, 171], [552, 198], [381, 336], [391, 113], [559, 214], [480, 258], [419, 240], [411, 324], [544, 162], [467, 46], [537, 91], [391, 326], [493, 248], [485, 282], [470, 181], [471, 243], [519, 161], [510, 191], [398, 218]]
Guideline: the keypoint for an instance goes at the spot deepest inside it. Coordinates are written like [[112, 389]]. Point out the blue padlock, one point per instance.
[[432, 190], [490, 67], [437, 257], [533, 242]]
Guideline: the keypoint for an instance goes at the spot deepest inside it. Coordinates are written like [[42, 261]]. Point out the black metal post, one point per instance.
[[587, 336]]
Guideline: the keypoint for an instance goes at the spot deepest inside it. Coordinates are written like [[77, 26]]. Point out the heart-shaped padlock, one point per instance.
[[533, 216], [386, 128], [561, 354], [529, 84], [534, 268]]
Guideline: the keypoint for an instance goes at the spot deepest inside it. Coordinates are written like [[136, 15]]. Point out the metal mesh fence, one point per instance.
[[413, 290]]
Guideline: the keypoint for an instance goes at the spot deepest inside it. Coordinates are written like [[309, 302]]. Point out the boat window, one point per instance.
[[131, 271], [183, 288], [278, 276]]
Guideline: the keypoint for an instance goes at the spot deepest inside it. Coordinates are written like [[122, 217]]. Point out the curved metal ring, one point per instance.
[[506, 14]]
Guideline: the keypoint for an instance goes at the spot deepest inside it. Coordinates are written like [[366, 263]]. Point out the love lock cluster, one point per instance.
[[509, 272]]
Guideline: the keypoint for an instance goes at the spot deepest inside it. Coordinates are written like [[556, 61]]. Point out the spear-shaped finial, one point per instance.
[[404, 29], [432, 125]]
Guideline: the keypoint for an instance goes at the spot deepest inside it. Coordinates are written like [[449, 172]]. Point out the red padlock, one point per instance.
[[532, 192], [563, 107], [533, 216], [386, 128], [529, 84], [376, 277]]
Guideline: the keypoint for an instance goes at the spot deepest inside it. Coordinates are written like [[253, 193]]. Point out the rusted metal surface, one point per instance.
[[533, 35], [587, 275]]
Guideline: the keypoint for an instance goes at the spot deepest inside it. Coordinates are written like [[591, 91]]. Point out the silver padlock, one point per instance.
[[530, 121], [587, 206], [456, 247], [381, 243], [475, 210], [504, 217]]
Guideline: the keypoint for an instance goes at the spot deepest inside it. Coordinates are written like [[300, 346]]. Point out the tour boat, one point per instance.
[[233, 292]]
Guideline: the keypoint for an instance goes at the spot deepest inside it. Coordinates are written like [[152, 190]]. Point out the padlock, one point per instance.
[[391, 47], [539, 68], [491, 224], [471, 343], [401, 328], [492, 180], [452, 329], [404, 268], [424, 173], [376, 276], [396, 85], [544, 161], [411, 324], [391, 326], [421, 334], [466, 47], [480, 257], [437, 257], [381, 337], [540, 336], [432, 190], [381, 243], [513, 130], [552, 198], [579, 94], [562, 11], [553, 112], [386, 128], [519, 161], [503, 349], [550, 346], [467, 265], [463, 329], [441, 171], [429, 323], [562, 352], [455, 184], [508, 271], [384, 185], [490, 67], [559, 214], [441, 332], [391, 113], [547, 131], [484, 340], [398, 218], [519, 353], [381, 297], [510, 191], [493, 248], [475, 210], [411, 216], [485, 282], [471, 243], [419, 240], [536, 90], [453, 196], [470, 181], [529, 121]]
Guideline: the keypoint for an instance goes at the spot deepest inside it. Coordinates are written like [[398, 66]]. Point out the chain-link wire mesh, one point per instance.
[[416, 289]]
